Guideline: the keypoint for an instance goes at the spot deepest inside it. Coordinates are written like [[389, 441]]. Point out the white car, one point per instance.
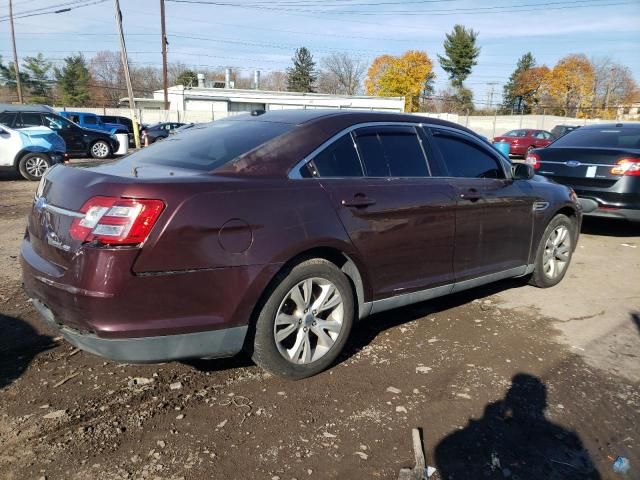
[[30, 151]]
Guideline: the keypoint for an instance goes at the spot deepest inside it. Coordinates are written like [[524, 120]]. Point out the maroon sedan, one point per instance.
[[276, 232], [522, 141]]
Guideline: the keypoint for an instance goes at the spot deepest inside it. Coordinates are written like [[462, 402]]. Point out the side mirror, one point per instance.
[[522, 171]]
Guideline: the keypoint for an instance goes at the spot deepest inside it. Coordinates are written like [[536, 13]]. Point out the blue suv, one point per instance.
[[93, 121]]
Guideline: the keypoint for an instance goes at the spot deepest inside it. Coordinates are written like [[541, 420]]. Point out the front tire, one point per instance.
[[554, 252], [100, 149], [305, 322], [32, 166]]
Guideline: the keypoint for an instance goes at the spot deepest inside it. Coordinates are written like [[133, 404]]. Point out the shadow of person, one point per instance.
[[513, 439], [19, 344]]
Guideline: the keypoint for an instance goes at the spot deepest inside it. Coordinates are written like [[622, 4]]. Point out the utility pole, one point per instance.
[[15, 54], [125, 65], [492, 86], [164, 56]]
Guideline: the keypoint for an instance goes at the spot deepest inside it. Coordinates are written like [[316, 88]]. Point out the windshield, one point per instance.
[[516, 133], [55, 122], [606, 137], [209, 146]]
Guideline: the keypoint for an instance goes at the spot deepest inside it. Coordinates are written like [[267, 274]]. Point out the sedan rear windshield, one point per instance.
[[606, 137], [207, 147]]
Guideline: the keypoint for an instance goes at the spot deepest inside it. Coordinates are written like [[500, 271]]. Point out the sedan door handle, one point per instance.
[[472, 195], [359, 201]]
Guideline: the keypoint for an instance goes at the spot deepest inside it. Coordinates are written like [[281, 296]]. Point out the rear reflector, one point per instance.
[[116, 221], [627, 166], [533, 159]]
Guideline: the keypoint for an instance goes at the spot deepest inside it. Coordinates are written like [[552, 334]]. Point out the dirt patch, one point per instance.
[[455, 367]]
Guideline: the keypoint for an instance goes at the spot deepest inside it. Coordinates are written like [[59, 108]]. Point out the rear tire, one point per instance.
[[554, 252], [33, 165], [305, 321]]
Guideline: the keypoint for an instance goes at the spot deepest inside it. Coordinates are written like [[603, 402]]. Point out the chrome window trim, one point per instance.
[[294, 172]]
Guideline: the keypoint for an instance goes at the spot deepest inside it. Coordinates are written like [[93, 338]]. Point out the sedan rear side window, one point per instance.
[[339, 159], [464, 159], [209, 146], [391, 152]]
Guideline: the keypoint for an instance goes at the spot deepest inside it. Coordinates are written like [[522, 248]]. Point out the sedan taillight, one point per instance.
[[627, 166], [533, 159], [116, 221]]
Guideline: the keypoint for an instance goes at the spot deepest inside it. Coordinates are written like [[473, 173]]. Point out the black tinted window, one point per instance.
[[29, 120], [516, 133], [464, 159], [7, 118], [611, 137], [89, 120], [392, 152], [404, 154], [211, 145], [339, 159], [372, 155]]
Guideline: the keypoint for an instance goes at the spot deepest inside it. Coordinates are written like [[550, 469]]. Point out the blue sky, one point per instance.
[[263, 34]]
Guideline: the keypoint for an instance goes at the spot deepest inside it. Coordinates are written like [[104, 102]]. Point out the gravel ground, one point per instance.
[[506, 381]]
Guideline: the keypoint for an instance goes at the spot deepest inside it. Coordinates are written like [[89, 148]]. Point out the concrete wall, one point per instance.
[[493, 126], [487, 126]]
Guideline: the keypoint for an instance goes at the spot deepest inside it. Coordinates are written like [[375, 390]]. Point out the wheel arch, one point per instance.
[[27, 151]]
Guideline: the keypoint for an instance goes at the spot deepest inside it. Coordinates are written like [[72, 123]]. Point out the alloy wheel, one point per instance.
[[100, 150], [36, 166], [557, 251], [309, 321]]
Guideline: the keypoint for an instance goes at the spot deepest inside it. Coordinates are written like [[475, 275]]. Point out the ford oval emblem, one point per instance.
[[572, 163]]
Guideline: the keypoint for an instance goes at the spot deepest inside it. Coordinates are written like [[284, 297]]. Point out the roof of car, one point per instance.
[[613, 125], [10, 107], [302, 116]]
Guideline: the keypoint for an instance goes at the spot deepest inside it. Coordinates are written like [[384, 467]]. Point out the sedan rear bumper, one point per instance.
[[622, 213], [225, 342]]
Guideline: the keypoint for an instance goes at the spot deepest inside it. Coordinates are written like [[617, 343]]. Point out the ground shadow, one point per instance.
[[513, 439], [609, 227], [240, 360], [635, 317], [19, 344], [365, 331]]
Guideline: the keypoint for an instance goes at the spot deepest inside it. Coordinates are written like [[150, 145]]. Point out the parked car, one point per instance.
[[124, 121], [524, 140], [277, 232], [158, 131], [181, 129], [79, 141], [601, 163], [560, 130], [30, 151], [91, 120]]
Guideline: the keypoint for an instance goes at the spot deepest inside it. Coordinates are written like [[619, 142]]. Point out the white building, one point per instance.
[[221, 102]]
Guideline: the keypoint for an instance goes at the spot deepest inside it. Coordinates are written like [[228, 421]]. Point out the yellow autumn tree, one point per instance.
[[403, 76], [570, 83], [529, 83]]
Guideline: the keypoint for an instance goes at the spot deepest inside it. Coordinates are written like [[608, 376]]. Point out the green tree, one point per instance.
[[510, 100], [187, 78], [8, 76], [73, 81], [39, 83], [460, 54], [302, 76]]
